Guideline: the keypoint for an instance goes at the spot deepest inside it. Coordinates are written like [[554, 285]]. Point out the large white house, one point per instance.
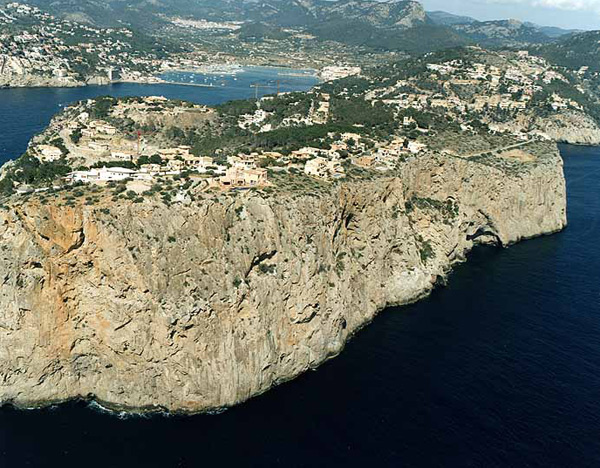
[[105, 174], [243, 161]]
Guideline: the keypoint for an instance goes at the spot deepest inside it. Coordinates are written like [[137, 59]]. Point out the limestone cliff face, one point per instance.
[[35, 81], [571, 127], [575, 128], [201, 306], [16, 72]]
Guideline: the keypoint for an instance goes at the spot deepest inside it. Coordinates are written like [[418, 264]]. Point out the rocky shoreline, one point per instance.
[[195, 308], [32, 81]]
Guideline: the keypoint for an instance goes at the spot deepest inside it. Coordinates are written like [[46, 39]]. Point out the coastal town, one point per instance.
[[38, 49], [106, 153], [361, 124], [360, 121], [499, 91]]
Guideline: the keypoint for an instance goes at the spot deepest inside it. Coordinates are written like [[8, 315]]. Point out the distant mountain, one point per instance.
[[381, 14], [384, 25], [395, 13], [502, 33], [448, 19], [379, 24], [552, 31], [393, 24]]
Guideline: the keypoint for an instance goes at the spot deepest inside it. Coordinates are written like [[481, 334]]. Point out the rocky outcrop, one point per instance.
[[37, 81], [18, 72], [201, 306], [575, 128]]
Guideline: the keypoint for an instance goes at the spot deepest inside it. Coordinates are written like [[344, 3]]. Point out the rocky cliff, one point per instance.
[[572, 127], [18, 72], [201, 306], [37, 81], [575, 128]]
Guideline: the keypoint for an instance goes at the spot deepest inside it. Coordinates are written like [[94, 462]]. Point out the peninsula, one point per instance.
[[161, 255]]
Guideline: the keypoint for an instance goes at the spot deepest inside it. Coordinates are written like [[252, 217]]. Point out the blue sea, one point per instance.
[[501, 368]]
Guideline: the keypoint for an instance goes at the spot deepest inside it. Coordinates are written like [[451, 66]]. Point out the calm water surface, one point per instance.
[[500, 368]]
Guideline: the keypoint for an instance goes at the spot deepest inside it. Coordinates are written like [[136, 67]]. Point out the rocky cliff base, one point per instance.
[[196, 307]]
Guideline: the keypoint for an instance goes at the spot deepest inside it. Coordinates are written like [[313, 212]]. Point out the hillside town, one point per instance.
[[360, 123], [103, 152], [38, 49], [503, 91]]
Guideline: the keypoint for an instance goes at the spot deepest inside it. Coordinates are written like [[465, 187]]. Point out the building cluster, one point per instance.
[[385, 155], [381, 156], [243, 171], [37, 44], [113, 154], [256, 119], [250, 170], [462, 88]]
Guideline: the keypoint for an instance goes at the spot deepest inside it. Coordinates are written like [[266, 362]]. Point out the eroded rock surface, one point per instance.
[[197, 307]]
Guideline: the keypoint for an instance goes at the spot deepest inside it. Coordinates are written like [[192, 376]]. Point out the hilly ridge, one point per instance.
[[397, 25]]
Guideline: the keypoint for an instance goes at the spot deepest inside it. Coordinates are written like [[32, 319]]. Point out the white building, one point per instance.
[[416, 147], [103, 127], [203, 163], [243, 161], [105, 174]]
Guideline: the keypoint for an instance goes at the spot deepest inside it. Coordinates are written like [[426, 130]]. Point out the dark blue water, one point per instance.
[[25, 112], [500, 368]]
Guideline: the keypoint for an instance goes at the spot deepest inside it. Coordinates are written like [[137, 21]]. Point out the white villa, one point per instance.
[[103, 127], [105, 174], [243, 161]]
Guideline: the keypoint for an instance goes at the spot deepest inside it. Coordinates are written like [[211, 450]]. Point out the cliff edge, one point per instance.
[[200, 306]]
